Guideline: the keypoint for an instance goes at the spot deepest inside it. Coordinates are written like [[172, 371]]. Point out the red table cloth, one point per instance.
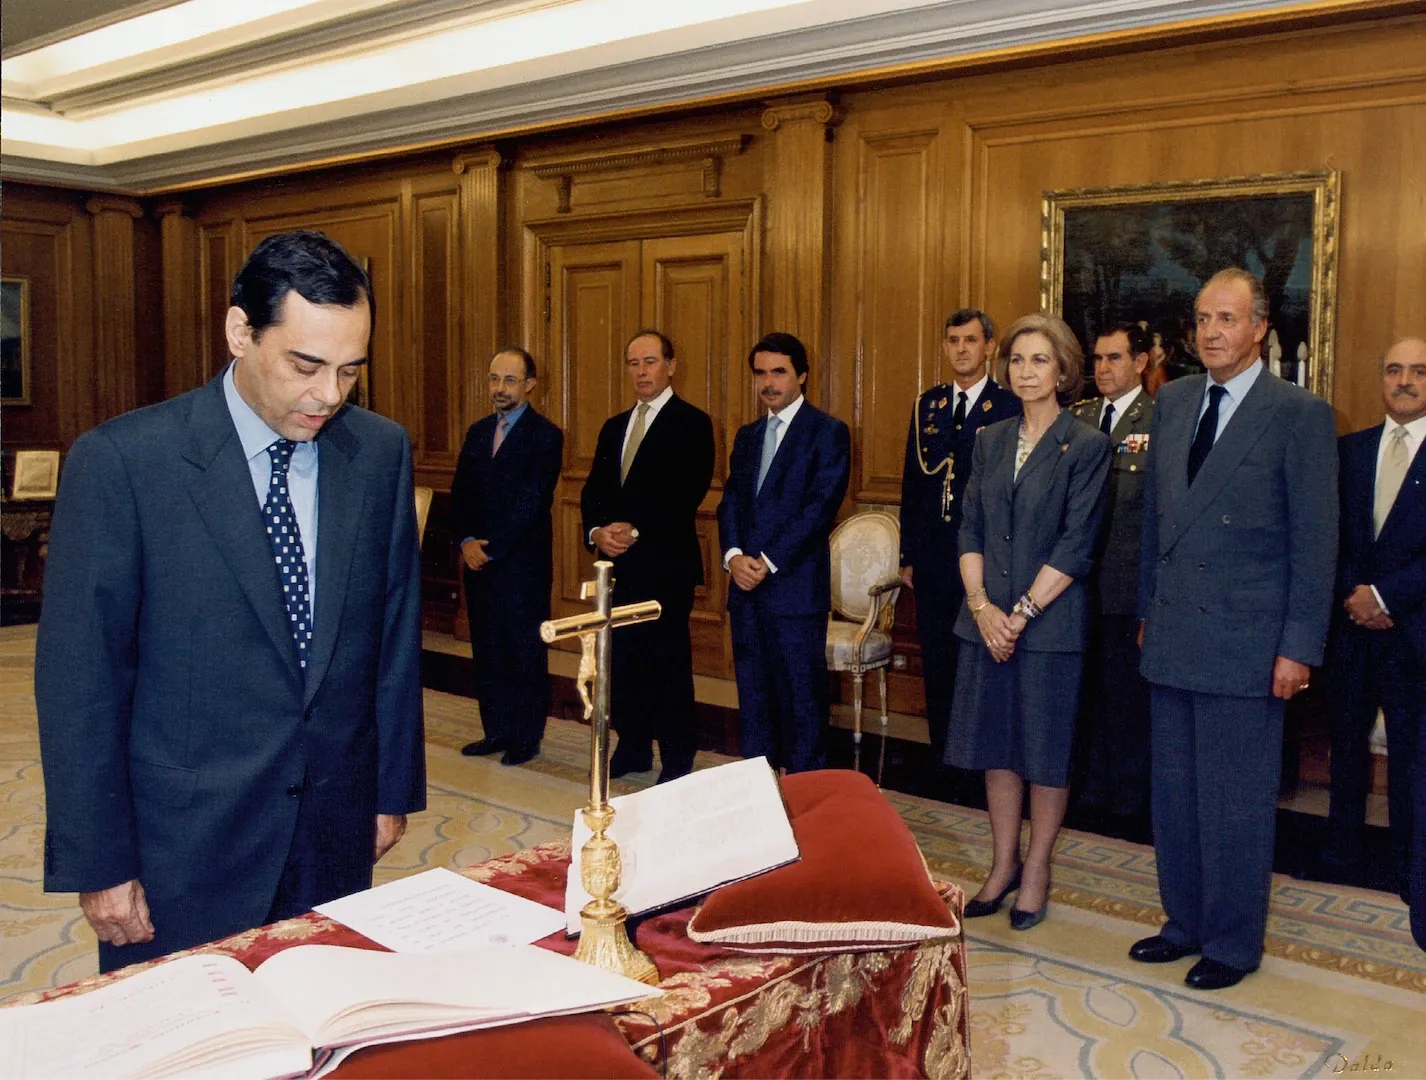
[[888, 1013]]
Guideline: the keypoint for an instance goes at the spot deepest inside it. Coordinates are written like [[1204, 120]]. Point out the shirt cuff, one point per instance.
[[590, 538], [728, 555], [1379, 602], [771, 569]]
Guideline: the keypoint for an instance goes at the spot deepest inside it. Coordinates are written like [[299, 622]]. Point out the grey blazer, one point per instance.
[[1238, 569], [1050, 514], [1116, 578]]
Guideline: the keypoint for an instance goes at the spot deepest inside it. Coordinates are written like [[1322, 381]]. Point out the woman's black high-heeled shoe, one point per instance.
[[977, 908]]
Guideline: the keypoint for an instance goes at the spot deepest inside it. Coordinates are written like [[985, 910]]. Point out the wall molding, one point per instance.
[[929, 42]]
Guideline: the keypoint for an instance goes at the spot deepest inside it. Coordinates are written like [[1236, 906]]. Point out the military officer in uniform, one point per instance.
[[944, 423], [1111, 768]]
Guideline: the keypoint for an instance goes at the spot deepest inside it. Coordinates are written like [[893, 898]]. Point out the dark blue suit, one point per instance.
[[1235, 571], [780, 628], [182, 744], [938, 461], [506, 499], [1380, 668]]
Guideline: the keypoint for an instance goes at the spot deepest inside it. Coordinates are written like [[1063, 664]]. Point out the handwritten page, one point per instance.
[[441, 911]]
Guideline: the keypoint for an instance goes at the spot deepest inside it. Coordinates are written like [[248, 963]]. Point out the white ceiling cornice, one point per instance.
[[670, 67]]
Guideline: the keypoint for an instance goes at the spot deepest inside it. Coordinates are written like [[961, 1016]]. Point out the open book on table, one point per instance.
[[299, 1014], [680, 839]]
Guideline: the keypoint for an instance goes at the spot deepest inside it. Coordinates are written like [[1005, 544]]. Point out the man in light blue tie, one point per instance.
[[786, 480]]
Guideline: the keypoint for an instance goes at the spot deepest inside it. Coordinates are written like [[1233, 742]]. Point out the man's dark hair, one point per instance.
[[787, 344], [970, 314], [515, 350], [1137, 335], [306, 262], [665, 345]]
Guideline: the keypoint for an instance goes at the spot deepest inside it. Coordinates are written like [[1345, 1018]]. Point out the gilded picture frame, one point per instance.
[[1141, 253], [14, 341], [36, 475]]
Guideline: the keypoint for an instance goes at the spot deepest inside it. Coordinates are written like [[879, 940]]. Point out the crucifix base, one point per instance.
[[604, 940]]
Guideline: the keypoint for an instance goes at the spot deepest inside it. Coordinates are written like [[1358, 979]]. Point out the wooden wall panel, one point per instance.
[[436, 358], [216, 267], [890, 316]]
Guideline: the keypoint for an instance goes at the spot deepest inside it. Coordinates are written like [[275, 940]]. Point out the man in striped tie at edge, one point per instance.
[[1378, 646]]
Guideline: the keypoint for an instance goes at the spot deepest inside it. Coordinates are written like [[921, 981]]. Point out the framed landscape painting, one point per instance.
[[1140, 254], [14, 341]]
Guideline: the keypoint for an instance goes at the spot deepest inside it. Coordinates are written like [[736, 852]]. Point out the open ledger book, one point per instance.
[[299, 1014], [680, 839]]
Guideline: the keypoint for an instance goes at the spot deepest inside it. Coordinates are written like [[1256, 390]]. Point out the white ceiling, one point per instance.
[[140, 96]]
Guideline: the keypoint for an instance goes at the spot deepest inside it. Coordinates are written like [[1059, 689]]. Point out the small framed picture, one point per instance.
[[14, 341], [36, 474]]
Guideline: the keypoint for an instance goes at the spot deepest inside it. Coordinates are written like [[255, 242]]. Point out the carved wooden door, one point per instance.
[[695, 289]]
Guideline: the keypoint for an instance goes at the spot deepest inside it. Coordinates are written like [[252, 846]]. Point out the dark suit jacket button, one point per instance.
[[1005, 573], [1007, 539], [1227, 519], [1164, 559], [1202, 609], [1203, 566], [295, 790]]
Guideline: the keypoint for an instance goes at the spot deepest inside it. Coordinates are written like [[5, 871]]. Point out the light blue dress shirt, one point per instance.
[[256, 437], [1237, 387]]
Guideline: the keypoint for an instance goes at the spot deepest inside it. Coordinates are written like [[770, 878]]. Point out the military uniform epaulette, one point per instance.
[[1084, 402]]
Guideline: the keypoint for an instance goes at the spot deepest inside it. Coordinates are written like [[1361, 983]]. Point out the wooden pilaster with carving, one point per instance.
[[182, 342], [481, 246], [798, 182], [114, 360]]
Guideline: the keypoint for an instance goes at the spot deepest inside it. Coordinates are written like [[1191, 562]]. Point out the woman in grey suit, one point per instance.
[[1032, 513]]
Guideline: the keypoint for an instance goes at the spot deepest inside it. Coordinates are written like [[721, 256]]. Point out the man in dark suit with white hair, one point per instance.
[[1236, 570]]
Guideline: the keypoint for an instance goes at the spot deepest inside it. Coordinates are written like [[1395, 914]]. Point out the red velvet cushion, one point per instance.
[[553, 1048], [861, 882]]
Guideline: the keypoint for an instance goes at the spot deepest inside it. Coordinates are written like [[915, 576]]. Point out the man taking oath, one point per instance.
[[944, 423], [653, 464], [500, 503], [228, 667]]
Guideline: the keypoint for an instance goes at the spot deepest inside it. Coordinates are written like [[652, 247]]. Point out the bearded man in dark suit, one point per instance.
[[500, 502]]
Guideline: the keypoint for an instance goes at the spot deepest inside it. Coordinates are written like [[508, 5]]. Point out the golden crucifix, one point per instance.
[[603, 942]]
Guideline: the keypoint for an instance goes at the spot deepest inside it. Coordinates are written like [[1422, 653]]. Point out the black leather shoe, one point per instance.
[[1210, 974], [623, 766], [519, 756], [666, 775], [1159, 950], [1024, 920], [976, 909], [483, 747]]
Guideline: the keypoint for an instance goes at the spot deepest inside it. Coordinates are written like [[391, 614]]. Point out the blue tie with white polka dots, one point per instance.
[[287, 550]]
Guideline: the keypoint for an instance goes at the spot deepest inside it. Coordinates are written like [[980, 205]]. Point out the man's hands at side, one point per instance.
[[120, 915], [389, 829], [748, 571], [473, 553]]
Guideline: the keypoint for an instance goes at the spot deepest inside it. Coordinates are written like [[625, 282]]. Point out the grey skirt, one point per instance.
[[1019, 715]]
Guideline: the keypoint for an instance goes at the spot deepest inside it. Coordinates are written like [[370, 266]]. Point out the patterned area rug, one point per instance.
[[1343, 987]]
